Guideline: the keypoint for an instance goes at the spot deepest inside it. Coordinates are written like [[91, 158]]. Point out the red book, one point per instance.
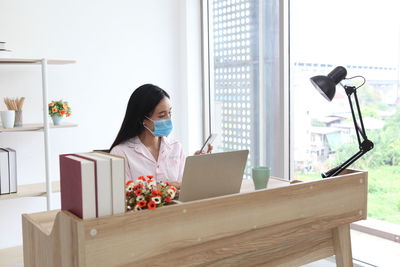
[[78, 186]]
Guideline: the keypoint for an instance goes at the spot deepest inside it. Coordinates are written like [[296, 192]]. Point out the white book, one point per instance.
[[117, 180], [5, 54], [4, 173], [12, 167], [103, 183]]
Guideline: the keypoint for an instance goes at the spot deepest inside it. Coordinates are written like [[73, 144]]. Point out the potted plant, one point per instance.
[[57, 110]]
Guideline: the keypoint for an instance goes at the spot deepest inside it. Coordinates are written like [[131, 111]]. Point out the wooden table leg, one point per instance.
[[342, 246]]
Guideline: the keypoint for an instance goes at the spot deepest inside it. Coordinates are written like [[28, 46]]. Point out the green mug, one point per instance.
[[260, 177]]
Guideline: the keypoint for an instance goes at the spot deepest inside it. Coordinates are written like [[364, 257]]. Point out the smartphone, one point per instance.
[[209, 140]]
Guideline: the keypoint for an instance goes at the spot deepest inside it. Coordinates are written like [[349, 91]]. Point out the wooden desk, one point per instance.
[[290, 225]]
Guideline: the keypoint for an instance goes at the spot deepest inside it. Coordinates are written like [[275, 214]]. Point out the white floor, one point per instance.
[[374, 250], [368, 251]]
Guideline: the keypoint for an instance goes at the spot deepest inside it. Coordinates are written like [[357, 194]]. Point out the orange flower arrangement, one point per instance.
[[145, 193], [59, 108]]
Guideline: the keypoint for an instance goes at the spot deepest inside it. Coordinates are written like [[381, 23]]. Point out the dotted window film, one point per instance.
[[235, 47]]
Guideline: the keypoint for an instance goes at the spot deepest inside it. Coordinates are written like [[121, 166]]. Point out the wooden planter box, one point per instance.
[[286, 226]]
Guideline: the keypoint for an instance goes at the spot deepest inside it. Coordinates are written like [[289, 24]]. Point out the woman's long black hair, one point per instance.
[[141, 103]]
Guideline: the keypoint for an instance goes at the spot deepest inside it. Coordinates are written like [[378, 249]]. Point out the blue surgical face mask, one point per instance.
[[161, 127]]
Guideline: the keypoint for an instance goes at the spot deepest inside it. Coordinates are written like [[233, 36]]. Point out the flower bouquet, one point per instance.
[[58, 109], [145, 193]]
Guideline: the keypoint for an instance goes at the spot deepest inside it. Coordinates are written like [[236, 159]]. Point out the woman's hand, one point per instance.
[[209, 150]]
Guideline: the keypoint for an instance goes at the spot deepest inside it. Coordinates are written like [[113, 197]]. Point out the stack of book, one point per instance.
[[92, 184], [3, 51], [8, 171]]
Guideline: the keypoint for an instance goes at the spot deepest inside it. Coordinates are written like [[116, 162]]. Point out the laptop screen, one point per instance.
[[213, 175]]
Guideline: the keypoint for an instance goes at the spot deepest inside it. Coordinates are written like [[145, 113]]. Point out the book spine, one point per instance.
[[118, 186], [12, 166], [4, 172], [95, 179], [71, 186], [117, 179]]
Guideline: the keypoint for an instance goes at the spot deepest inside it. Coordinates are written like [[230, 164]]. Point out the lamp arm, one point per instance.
[[365, 145], [351, 90], [362, 131], [337, 170]]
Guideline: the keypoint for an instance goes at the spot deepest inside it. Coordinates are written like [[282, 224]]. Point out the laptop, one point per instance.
[[212, 175]]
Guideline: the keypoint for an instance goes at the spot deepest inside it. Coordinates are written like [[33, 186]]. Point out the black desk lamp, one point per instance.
[[326, 85]]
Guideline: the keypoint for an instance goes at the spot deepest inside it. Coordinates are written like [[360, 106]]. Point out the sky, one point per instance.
[[364, 32]]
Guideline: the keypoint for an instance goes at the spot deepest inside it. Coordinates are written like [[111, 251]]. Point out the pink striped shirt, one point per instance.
[[140, 162]]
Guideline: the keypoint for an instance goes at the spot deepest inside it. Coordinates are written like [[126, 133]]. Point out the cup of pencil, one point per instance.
[[15, 104]]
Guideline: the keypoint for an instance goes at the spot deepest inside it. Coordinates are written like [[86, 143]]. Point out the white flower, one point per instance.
[[171, 192], [140, 198], [139, 182], [137, 207], [145, 191], [156, 200], [152, 184]]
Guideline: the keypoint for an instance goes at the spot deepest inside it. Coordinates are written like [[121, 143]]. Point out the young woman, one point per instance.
[[142, 139]]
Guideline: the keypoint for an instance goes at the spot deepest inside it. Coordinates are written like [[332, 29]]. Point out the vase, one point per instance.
[[8, 118], [18, 118], [57, 120]]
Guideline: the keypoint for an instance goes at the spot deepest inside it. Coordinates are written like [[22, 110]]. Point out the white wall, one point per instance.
[[118, 45]]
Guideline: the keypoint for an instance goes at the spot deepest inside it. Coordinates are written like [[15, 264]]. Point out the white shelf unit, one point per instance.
[[45, 126]]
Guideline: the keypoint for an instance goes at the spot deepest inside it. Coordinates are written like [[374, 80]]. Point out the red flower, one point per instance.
[[142, 178], [137, 186], [62, 112], [155, 192], [168, 199], [152, 205], [167, 183], [128, 182], [138, 192], [150, 176], [149, 181], [142, 203]]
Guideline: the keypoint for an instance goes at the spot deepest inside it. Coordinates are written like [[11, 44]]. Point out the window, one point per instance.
[[320, 41], [243, 70]]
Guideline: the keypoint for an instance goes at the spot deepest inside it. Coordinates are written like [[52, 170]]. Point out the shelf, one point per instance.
[[42, 62], [32, 190], [34, 61], [37, 127]]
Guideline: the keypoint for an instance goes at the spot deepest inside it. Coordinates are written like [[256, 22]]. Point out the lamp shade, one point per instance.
[[326, 85]]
